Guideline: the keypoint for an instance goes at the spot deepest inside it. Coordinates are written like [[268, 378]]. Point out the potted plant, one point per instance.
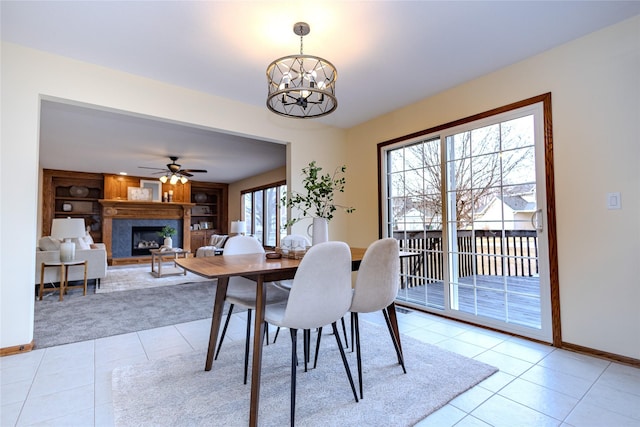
[[317, 202], [166, 232]]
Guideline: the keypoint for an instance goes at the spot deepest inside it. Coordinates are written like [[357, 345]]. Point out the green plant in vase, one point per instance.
[[318, 201], [167, 232]]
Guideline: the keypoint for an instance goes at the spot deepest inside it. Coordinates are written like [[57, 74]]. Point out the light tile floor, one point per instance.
[[70, 385]]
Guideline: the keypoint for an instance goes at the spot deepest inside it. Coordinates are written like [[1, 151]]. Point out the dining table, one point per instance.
[[261, 269]]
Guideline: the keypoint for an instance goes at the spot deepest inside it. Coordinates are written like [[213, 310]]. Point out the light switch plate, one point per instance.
[[613, 201]]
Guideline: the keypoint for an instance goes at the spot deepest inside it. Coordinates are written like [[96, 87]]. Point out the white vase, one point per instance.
[[168, 242], [320, 231]]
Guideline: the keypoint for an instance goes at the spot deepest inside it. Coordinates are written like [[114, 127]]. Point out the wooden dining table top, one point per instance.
[[247, 264]]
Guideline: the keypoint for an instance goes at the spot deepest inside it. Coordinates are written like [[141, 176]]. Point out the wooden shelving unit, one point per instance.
[[209, 215], [75, 195]]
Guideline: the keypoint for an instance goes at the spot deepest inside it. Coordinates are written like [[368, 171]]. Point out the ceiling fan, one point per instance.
[[174, 171]]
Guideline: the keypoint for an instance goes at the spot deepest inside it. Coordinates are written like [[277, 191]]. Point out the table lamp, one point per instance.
[[238, 227], [67, 229]]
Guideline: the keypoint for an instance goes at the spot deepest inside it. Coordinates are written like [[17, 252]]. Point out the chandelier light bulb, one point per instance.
[[163, 179]]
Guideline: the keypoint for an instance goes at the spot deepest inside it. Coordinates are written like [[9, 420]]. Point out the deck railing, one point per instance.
[[514, 253]]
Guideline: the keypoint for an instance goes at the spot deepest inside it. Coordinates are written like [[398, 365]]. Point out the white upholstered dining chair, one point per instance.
[[241, 291], [376, 289], [320, 295]]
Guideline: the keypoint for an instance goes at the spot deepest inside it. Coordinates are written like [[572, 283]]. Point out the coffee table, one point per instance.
[[160, 256]]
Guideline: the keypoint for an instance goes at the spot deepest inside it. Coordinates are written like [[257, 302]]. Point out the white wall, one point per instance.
[[595, 86], [29, 75]]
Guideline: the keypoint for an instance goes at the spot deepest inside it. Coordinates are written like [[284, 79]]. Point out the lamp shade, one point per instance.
[[238, 227], [66, 229]]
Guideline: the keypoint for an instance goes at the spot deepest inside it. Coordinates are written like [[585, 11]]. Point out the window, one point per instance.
[[263, 213]]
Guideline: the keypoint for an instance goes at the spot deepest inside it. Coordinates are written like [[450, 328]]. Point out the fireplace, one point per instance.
[[144, 239]]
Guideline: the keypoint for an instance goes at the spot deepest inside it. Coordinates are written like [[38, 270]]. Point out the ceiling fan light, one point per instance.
[[173, 180], [163, 179], [184, 179]]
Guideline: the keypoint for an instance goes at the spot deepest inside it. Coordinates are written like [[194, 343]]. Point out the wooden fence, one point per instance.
[[479, 252]]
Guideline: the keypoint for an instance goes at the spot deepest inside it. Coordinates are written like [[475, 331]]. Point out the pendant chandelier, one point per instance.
[[301, 86]]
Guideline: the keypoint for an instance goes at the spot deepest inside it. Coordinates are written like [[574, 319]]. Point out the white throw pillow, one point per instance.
[[81, 244], [48, 243], [217, 240], [88, 239]]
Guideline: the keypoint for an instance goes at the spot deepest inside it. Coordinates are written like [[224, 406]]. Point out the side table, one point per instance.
[[64, 277], [159, 255]]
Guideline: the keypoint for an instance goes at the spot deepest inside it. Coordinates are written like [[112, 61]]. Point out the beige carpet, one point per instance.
[[126, 278], [178, 392]]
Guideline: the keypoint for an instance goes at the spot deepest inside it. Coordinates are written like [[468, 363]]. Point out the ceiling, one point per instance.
[[388, 54]]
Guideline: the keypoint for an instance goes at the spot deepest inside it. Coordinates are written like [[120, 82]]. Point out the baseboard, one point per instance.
[[7, 351], [612, 357], [602, 354]]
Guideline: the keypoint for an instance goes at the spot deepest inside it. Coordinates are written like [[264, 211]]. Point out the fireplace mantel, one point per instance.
[[133, 209]]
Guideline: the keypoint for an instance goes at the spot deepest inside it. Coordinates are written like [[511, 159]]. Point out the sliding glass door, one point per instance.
[[469, 203]]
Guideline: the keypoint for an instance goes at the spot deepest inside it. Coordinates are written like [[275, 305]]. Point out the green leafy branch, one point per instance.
[[167, 231], [320, 192]]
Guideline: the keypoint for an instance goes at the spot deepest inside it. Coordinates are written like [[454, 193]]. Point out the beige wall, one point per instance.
[[596, 113], [270, 177], [29, 75], [595, 86]]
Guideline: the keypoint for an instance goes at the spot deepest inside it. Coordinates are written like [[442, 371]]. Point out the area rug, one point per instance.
[[140, 277], [80, 318], [178, 392]]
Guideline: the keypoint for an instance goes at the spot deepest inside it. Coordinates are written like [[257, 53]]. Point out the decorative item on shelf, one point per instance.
[[78, 191], [139, 194], [301, 86], [165, 196], [200, 197], [200, 210], [238, 227], [67, 207], [166, 232], [155, 187], [170, 196], [66, 229], [317, 203]]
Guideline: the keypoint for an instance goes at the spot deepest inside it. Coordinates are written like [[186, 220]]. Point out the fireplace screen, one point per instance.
[[145, 238]]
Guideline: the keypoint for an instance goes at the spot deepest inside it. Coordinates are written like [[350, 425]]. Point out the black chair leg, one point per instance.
[[315, 360], [344, 359], [356, 323], [224, 330], [344, 331], [394, 339], [306, 337], [294, 362], [352, 332]]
